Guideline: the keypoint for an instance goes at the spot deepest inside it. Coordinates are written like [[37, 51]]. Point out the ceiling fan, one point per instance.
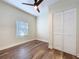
[[36, 4]]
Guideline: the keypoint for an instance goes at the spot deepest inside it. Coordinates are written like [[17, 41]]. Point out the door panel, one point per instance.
[[70, 31], [58, 23], [70, 44], [58, 42], [58, 30]]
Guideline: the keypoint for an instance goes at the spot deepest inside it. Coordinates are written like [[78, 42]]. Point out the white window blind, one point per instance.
[[21, 28]]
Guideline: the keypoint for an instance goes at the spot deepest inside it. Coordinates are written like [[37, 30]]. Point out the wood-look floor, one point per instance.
[[33, 50]]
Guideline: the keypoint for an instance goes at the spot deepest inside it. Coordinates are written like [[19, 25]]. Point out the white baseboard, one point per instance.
[[16, 44], [42, 40], [49, 46]]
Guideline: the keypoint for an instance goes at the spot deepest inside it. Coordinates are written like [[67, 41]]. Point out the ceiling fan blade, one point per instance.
[[28, 4], [38, 10], [39, 2], [35, 1]]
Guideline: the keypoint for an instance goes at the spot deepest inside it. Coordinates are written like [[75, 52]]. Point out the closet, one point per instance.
[[64, 31]]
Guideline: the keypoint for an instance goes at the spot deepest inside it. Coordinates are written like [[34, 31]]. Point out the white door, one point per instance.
[[70, 31], [58, 30]]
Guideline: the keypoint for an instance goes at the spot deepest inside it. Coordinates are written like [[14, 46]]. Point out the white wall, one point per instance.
[[78, 31], [42, 25], [8, 17]]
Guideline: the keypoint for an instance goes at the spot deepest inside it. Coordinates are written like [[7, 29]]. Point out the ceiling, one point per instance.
[[30, 9]]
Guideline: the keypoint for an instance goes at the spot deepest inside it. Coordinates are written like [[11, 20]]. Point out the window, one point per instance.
[[21, 28]]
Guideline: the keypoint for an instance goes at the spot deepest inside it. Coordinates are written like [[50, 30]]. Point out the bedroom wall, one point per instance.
[[8, 17], [42, 26]]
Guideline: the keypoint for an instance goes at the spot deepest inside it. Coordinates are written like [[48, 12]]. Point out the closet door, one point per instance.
[[58, 30], [70, 31]]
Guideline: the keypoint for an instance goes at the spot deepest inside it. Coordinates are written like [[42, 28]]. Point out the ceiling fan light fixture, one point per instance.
[[35, 7]]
